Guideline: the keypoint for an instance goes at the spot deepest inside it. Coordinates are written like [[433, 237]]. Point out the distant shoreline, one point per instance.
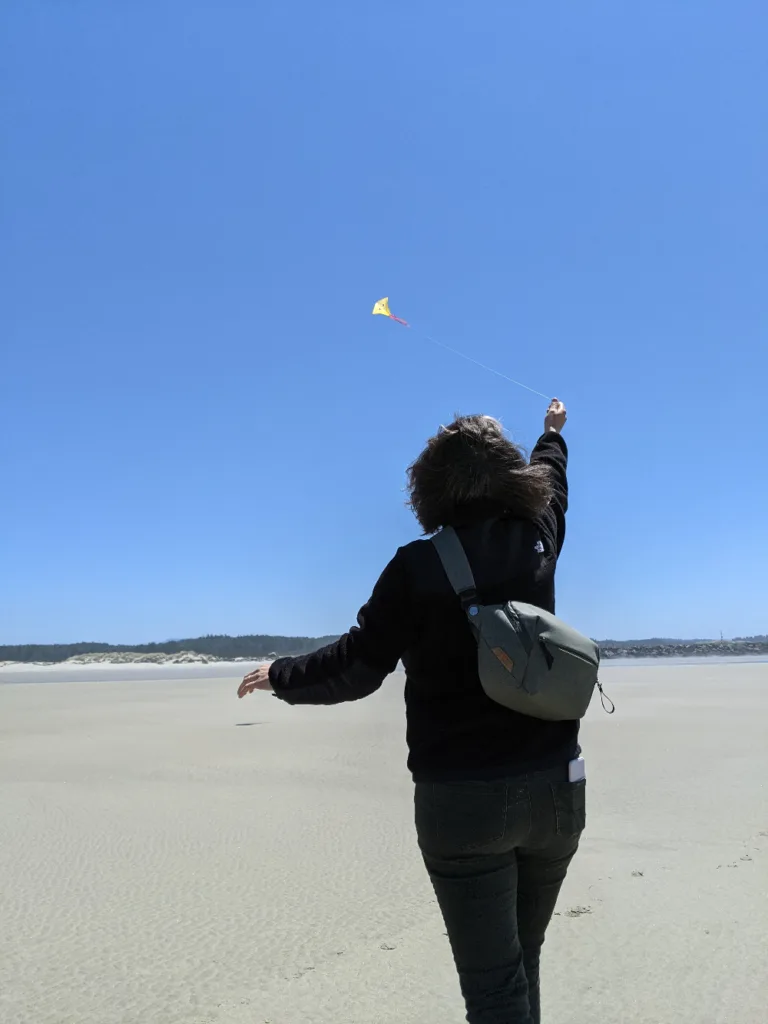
[[609, 652], [704, 649]]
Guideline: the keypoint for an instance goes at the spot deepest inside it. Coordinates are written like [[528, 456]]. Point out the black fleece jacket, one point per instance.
[[454, 731]]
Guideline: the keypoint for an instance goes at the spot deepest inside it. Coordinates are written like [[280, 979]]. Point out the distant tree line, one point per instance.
[[253, 647], [664, 642], [652, 642]]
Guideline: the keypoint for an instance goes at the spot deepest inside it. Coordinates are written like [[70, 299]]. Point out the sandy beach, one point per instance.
[[171, 855]]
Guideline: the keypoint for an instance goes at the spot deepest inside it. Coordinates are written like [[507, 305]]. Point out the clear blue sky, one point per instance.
[[203, 428]]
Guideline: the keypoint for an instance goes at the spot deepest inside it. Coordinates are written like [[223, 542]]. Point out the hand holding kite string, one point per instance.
[[556, 416], [382, 309]]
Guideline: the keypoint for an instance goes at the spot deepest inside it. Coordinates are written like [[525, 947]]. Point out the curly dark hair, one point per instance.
[[473, 460]]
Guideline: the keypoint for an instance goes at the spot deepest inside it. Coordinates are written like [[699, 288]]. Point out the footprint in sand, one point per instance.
[[578, 911], [302, 971], [746, 858]]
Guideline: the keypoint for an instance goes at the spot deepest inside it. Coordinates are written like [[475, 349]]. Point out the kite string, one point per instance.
[[490, 369]]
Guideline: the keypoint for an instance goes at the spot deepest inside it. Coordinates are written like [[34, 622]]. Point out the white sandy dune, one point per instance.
[[170, 855]]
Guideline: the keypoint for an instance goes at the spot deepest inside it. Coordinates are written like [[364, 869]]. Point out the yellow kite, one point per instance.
[[382, 309]]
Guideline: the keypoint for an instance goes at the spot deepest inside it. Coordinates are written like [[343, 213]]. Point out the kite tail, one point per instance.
[[398, 320]]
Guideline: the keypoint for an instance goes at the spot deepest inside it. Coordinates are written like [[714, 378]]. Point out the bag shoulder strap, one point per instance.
[[455, 562]]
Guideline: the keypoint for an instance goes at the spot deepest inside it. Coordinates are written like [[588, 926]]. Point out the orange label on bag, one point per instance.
[[504, 658]]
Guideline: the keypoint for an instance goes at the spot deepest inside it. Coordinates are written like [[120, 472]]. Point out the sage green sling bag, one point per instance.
[[528, 660]]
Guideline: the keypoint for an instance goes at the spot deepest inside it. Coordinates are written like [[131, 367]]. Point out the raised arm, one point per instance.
[[357, 664], [552, 451]]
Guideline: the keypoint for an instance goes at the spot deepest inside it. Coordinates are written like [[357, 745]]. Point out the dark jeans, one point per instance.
[[497, 854]]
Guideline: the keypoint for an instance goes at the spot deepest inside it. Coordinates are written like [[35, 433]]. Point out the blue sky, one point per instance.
[[202, 427]]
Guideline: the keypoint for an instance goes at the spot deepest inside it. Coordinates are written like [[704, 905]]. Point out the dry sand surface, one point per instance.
[[169, 855]]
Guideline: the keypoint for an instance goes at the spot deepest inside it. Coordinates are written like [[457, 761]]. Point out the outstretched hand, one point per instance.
[[556, 416], [256, 680]]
